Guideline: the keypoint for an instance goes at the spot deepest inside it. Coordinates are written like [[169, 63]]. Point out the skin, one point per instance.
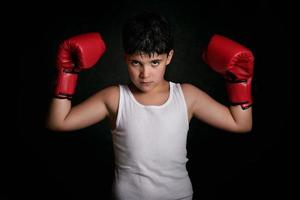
[[149, 88]]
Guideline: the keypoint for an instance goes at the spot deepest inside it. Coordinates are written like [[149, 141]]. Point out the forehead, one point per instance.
[[145, 56]]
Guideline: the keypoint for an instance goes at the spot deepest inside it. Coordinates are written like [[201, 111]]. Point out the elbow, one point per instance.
[[244, 129], [56, 127], [52, 127], [241, 128]]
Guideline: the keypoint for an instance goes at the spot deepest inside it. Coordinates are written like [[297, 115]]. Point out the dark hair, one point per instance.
[[147, 32]]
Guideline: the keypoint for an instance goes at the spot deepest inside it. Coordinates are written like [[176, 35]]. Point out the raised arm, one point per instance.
[[77, 53], [235, 63]]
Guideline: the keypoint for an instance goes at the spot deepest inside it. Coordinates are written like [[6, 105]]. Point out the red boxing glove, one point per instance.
[[77, 53], [235, 63]]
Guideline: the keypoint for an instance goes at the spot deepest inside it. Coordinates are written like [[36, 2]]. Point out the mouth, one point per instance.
[[146, 83]]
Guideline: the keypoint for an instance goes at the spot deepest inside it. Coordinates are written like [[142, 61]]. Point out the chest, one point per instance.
[[148, 131], [156, 99]]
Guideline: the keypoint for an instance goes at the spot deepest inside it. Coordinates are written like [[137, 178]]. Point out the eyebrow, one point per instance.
[[135, 60]]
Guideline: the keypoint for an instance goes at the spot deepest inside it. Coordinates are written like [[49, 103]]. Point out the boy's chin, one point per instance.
[[146, 87]]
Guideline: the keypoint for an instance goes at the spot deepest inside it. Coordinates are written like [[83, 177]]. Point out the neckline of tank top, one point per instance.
[[153, 106]]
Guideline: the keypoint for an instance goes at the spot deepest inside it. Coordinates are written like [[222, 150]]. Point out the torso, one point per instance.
[[150, 144]]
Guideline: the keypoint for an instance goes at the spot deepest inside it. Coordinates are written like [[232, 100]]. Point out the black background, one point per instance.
[[41, 164]]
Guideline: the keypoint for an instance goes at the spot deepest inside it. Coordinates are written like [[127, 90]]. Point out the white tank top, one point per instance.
[[150, 148]]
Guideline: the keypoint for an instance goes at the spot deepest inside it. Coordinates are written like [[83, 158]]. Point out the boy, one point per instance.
[[150, 116]]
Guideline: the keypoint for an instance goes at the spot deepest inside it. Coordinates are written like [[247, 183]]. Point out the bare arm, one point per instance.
[[235, 63], [208, 110], [74, 54], [63, 117]]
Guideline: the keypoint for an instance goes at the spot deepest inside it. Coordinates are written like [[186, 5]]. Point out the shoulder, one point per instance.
[[192, 93], [109, 94], [190, 90], [187, 87], [111, 91], [110, 97]]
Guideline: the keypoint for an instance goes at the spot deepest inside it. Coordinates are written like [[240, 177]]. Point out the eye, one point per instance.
[[135, 63], [155, 63]]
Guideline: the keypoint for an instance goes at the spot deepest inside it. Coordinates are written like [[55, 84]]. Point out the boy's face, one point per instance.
[[147, 71]]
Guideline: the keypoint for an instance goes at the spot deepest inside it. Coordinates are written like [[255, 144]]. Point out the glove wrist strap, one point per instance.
[[239, 93], [65, 84]]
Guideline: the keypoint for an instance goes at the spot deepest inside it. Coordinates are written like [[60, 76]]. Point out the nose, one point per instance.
[[145, 72]]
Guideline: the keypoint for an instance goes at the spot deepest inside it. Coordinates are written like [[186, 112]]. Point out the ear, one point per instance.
[[169, 57]]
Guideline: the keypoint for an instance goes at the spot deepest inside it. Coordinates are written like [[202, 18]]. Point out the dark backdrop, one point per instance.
[[42, 164]]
